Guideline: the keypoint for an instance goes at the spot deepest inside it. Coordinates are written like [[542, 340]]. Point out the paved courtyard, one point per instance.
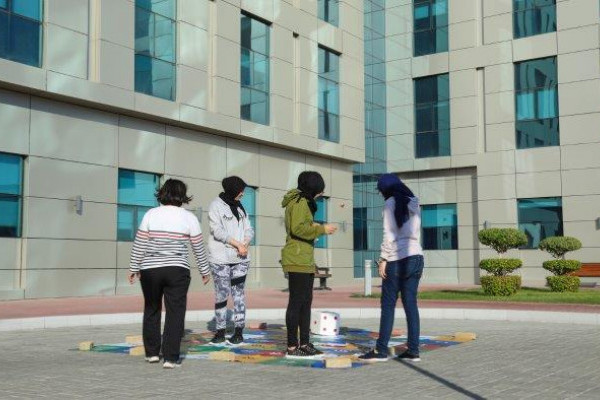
[[507, 361]]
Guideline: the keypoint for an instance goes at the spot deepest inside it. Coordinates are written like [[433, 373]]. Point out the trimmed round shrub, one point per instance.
[[500, 285], [563, 283], [558, 246], [502, 239], [500, 266], [561, 267]]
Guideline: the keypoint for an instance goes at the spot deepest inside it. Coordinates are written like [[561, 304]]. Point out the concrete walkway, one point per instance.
[[508, 360]]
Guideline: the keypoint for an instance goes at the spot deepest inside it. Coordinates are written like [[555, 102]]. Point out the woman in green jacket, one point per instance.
[[298, 259]]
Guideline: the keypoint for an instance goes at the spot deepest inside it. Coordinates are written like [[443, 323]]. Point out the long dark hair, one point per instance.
[[173, 193]]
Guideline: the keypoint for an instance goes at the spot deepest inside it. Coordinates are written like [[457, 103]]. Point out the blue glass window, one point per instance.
[[432, 116], [136, 195], [533, 17], [328, 11], [367, 220], [536, 103], [321, 218], [155, 48], [439, 227], [329, 95], [21, 31], [540, 218], [11, 194], [249, 203], [255, 70], [430, 27]]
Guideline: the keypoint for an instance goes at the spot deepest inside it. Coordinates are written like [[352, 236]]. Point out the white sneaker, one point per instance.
[[153, 359], [170, 365]]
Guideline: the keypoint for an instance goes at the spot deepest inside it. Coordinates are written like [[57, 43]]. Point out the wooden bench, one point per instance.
[[588, 270], [322, 274]]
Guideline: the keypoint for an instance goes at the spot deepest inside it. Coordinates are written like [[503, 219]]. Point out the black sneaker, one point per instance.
[[236, 338], [409, 357], [219, 337], [373, 356], [310, 349], [299, 353]]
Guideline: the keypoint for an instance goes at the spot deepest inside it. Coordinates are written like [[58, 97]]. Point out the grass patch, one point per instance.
[[530, 295]]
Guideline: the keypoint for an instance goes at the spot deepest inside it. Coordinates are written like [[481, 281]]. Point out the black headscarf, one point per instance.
[[310, 184], [391, 186], [233, 186]]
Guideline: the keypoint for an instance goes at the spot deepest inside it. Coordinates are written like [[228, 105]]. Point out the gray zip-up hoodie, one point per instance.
[[223, 227]]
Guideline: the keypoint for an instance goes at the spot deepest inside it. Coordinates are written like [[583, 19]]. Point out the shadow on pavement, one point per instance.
[[441, 380]]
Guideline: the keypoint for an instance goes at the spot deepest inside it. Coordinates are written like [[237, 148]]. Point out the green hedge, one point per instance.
[[500, 285], [502, 239], [558, 246], [561, 267], [563, 283], [500, 266]]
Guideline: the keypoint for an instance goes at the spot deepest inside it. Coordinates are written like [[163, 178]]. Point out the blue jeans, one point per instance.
[[402, 276]]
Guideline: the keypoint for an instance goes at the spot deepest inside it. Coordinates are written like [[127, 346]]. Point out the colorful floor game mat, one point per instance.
[[267, 346]]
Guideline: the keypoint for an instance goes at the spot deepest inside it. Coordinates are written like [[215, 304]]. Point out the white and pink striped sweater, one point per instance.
[[162, 239]]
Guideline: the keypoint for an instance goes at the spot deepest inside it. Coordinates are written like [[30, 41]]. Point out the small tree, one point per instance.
[[499, 282], [558, 246]]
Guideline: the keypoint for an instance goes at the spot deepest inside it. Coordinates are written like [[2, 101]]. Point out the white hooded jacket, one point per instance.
[[223, 227], [399, 243]]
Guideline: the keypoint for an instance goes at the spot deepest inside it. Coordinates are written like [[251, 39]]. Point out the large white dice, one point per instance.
[[326, 323]]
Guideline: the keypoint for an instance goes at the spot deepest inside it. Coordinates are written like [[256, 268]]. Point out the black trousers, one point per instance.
[[173, 283], [298, 309]]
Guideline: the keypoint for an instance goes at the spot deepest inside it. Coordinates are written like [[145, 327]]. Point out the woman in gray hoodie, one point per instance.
[[230, 236]]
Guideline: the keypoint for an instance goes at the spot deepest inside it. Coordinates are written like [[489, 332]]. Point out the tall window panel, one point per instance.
[[11, 194], [367, 218], [536, 103], [155, 48], [329, 95], [21, 31], [432, 116], [321, 218], [533, 17], [136, 196], [540, 218], [430, 28], [254, 70], [249, 203], [439, 227], [329, 11]]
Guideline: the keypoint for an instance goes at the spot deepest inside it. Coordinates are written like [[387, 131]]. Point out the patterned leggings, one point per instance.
[[230, 279]]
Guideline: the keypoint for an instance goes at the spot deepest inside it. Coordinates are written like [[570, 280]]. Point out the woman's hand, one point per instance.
[[205, 279], [133, 276], [382, 265], [330, 229]]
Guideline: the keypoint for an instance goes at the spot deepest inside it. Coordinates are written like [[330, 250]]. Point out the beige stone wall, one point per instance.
[[77, 120], [480, 64]]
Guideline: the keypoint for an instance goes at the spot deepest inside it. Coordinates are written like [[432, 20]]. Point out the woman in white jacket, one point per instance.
[[400, 266], [230, 236]]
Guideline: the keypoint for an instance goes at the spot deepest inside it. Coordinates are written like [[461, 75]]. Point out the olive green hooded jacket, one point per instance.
[[298, 254]]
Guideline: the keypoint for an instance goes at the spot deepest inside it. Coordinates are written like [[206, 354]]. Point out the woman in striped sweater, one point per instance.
[[159, 259]]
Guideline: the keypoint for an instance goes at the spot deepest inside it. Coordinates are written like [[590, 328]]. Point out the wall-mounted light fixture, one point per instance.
[[598, 223], [487, 224], [78, 205], [343, 226]]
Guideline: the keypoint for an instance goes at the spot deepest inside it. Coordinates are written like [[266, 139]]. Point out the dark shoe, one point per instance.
[[219, 337], [236, 338], [299, 353], [373, 356], [409, 357], [310, 349]]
